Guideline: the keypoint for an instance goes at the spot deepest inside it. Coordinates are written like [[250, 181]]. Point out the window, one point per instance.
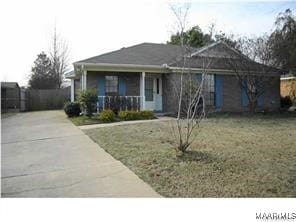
[[209, 90], [111, 85], [149, 89]]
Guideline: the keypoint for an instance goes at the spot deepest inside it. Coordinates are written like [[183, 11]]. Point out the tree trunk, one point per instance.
[[252, 105]]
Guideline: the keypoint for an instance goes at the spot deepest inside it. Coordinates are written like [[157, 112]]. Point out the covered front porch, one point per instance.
[[121, 91]]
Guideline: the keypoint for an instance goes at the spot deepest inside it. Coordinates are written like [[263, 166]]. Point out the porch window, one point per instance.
[[111, 85], [209, 90], [149, 89]]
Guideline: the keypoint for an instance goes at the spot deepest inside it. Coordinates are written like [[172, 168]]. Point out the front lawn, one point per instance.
[[232, 157]]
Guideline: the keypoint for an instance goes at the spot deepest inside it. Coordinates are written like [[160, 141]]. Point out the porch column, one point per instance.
[[82, 81], [85, 79], [72, 90], [142, 90]]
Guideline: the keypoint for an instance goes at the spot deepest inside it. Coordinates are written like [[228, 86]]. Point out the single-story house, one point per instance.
[[10, 97], [144, 76]]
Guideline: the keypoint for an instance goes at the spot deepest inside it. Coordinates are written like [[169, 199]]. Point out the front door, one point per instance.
[[153, 93]]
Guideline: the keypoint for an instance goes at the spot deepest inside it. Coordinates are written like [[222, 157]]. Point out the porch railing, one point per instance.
[[119, 103]]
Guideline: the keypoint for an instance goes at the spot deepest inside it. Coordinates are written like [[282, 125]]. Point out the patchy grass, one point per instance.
[[232, 156], [6, 115], [85, 120]]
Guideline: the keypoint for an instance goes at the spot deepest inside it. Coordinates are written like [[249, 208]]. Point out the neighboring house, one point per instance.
[[144, 76], [10, 96], [288, 87]]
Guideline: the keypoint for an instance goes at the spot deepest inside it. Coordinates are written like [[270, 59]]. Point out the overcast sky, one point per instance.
[[93, 27]]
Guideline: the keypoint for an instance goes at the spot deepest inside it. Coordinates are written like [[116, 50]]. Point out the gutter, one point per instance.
[[224, 71], [288, 78], [160, 68]]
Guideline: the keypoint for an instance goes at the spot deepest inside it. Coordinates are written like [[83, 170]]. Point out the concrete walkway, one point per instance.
[[45, 155], [124, 123]]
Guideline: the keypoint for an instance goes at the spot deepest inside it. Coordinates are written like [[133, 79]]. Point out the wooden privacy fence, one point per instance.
[[46, 99]]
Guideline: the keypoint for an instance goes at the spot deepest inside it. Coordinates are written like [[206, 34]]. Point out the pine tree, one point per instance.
[[41, 74]]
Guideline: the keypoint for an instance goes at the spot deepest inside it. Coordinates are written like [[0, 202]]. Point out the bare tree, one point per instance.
[[59, 55], [253, 77], [256, 48], [189, 91]]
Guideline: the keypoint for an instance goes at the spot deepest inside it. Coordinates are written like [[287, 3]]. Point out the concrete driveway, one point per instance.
[[45, 155]]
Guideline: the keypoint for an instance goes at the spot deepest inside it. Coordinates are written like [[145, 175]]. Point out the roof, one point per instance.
[[70, 73], [230, 64], [141, 54], [166, 54], [10, 85]]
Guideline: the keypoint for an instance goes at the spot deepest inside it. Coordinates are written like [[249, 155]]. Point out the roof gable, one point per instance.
[[221, 56], [219, 50]]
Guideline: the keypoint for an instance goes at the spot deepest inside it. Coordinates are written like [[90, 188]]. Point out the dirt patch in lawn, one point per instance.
[[231, 157]]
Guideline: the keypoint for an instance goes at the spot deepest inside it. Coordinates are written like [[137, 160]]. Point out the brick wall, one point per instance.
[[132, 81], [231, 94], [231, 90], [169, 96], [272, 98]]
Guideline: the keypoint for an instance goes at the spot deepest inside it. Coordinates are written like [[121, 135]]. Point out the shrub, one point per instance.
[[286, 102], [107, 116], [88, 99], [147, 114], [129, 115], [135, 115], [72, 109]]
